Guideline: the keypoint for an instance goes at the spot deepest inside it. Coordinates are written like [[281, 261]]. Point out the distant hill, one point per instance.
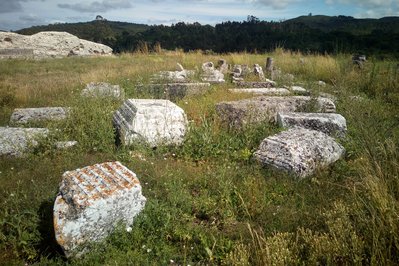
[[102, 31], [348, 24]]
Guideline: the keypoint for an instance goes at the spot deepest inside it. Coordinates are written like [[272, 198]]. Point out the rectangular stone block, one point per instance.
[[250, 111], [92, 201], [262, 91], [299, 151], [177, 91], [17, 141], [29, 115]]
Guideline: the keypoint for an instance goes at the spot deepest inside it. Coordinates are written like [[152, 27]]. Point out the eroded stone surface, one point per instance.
[[262, 91], [299, 151], [29, 115], [258, 71], [155, 122], [48, 44], [181, 75], [210, 74], [258, 109], [328, 123], [103, 89], [300, 90], [256, 84], [92, 201], [175, 91], [17, 141]]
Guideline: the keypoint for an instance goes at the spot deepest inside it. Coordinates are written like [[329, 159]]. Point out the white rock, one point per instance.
[[262, 91], [258, 71], [210, 74], [328, 123], [299, 90], [299, 151], [48, 44], [155, 122], [258, 109], [28, 115], [103, 89], [91, 202], [17, 141], [62, 145]]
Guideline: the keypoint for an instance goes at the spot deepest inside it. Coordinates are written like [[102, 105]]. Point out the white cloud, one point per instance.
[[8, 6], [277, 4], [96, 6]]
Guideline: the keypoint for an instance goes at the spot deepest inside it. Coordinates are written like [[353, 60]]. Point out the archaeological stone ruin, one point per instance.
[[92, 201], [254, 110], [103, 90], [328, 123], [299, 151], [32, 115], [155, 122]]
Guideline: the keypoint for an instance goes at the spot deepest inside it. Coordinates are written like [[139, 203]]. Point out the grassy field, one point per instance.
[[208, 202]]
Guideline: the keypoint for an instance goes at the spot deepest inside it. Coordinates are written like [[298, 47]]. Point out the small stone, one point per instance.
[[91, 202], [63, 145], [29, 115], [103, 89], [156, 122], [17, 141], [299, 90], [328, 123], [299, 151]]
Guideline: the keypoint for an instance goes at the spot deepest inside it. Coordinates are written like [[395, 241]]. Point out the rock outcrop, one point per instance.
[[17, 141], [32, 115], [299, 151], [48, 44], [330, 124], [156, 122], [258, 109], [91, 202], [103, 89]]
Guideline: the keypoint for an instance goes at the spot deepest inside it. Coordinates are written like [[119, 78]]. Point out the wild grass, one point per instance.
[[208, 201]]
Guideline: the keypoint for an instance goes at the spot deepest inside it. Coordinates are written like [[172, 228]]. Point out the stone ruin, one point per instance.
[[299, 150], [47, 45], [328, 123], [240, 113], [210, 74], [180, 75], [22, 116], [177, 91], [103, 90], [91, 202], [155, 122], [262, 91]]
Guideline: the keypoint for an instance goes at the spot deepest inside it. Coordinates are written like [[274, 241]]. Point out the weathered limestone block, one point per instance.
[[181, 75], [299, 151], [210, 74], [262, 91], [17, 141], [223, 66], [92, 201], [300, 90], [28, 115], [258, 71], [48, 44], [258, 109], [103, 89], [256, 84], [176, 91], [328, 123], [155, 122]]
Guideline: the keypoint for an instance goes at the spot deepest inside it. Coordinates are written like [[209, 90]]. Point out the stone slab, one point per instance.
[[328, 123], [103, 89], [256, 84], [17, 141], [176, 91], [299, 151], [263, 108], [156, 122], [262, 91], [29, 115], [91, 202]]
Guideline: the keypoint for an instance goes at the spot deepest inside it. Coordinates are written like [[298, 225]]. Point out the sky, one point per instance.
[[18, 14]]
